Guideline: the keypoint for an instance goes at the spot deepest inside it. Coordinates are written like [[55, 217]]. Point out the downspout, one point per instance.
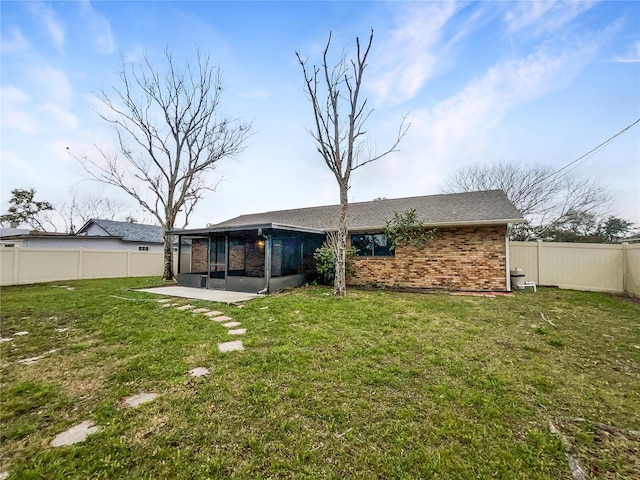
[[508, 256]]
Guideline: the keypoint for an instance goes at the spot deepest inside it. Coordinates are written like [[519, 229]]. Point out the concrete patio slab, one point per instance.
[[234, 346], [75, 434], [221, 296]]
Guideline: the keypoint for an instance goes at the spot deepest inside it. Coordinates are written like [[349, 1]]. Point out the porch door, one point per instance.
[[217, 258]]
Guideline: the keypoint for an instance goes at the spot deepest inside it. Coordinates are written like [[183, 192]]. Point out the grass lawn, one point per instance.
[[374, 385]]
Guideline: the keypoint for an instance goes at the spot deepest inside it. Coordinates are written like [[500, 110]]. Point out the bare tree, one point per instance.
[[76, 209], [332, 90], [543, 197], [170, 135]]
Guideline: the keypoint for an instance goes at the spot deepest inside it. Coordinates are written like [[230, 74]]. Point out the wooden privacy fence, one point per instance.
[[20, 266], [579, 266]]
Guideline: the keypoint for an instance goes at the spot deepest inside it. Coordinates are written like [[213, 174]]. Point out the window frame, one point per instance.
[[371, 240]]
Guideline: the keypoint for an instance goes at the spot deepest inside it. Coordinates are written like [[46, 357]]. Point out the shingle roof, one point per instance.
[[130, 232], [485, 207]]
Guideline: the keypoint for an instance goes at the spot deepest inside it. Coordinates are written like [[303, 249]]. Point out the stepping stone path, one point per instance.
[[185, 307], [138, 399], [236, 345], [76, 434], [199, 372], [231, 324], [216, 316]]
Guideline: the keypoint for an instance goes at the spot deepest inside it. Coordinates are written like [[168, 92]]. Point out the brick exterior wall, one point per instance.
[[199, 255], [460, 258]]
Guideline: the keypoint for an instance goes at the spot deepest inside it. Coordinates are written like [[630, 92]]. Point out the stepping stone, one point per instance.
[[2, 340], [231, 324], [239, 331], [185, 307], [76, 434], [164, 300], [214, 313], [71, 288], [236, 345], [61, 329], [167, 305], [200, 310], [223, 318], [20, 334], [136, 400], [199, 372], [4, 475], [29, 361]]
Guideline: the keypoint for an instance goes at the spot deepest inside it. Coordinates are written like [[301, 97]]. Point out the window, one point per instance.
[[143, 249], [372, 245]]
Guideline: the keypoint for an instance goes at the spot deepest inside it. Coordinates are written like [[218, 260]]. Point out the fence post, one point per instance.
[[625, 280], [16, 266], [539, 261], [80, 262]]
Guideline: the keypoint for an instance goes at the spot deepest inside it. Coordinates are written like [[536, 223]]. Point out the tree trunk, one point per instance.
[[340, 283], [168, 257]]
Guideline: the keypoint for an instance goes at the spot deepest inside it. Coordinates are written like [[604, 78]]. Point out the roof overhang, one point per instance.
[[471, 223], [240, 228]]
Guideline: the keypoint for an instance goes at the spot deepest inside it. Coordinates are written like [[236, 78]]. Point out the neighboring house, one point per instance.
[[96, 234], [273, 250]]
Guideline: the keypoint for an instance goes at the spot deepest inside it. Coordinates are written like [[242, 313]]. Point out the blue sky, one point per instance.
[[537, 83]]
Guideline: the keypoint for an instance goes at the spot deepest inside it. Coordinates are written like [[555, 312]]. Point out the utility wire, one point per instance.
[[587, 155]]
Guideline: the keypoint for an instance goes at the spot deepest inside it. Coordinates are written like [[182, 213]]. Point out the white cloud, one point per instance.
[[543, 16], [52, 82], [54, 27], [15, 110], [99, 26], [15, 42], [633, 55], [61, 118], [462, 128], [408, 56]]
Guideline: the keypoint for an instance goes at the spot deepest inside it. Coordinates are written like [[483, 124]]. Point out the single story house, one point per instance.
[[96, 234], [268, 251]]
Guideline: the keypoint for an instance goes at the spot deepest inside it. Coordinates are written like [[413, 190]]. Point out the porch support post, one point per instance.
[[206, 285], [179, 253], [226, 261], [267, 262]]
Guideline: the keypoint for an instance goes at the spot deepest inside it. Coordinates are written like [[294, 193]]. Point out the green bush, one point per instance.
[[326, 263]]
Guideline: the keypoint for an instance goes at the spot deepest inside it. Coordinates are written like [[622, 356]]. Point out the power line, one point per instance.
[[588, 155]]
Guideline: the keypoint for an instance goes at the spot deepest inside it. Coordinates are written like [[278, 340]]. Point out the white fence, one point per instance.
[[605, 268], [580, 266], [20, 266]]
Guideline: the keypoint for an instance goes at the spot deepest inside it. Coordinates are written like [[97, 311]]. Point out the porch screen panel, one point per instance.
[[217, 257], [286, 256]]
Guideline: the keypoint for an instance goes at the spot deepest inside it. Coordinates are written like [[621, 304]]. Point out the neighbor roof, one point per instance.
[[129, 232], [472, 208]]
